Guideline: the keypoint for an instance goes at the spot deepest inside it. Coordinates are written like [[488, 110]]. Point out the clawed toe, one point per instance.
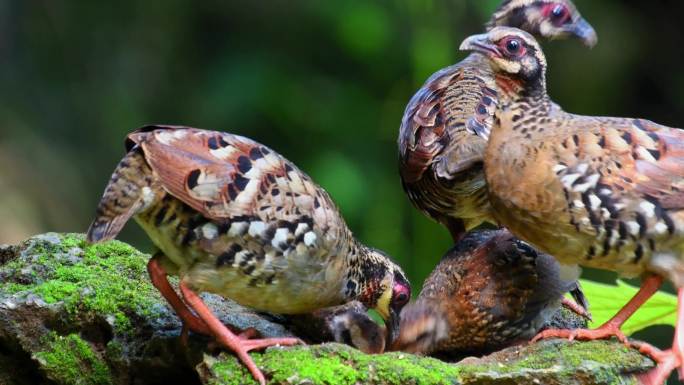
[[242, 349], [666, 362], [250, 345], [603, 332]]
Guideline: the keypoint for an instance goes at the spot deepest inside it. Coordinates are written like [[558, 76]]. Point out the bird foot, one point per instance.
[[245, 334], [666, 362], [605, 331], [264, 343], [576, 308], [242, 346]]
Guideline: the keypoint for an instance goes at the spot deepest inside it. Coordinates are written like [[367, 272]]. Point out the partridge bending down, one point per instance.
[[603, 192], [446, 124], [489, 292], [235, 218]]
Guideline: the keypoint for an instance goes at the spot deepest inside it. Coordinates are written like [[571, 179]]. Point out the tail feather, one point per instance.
[[129, 190]]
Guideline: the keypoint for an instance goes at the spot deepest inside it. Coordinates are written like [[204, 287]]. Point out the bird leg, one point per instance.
[[678, 345], [668, 360], [611, 328], [237, 344], [189, 319], [160, 281]]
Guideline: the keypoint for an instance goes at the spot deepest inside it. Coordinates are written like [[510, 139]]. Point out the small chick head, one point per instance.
[[422, 329], [360, 331]]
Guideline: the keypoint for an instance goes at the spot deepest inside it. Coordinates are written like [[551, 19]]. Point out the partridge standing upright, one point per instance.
[[235, 218], [488, 292], [602, 192], [446, 124]]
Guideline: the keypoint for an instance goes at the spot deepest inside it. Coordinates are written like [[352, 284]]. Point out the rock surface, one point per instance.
[[72, 313]]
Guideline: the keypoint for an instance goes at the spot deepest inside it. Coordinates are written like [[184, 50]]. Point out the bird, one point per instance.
[[490, 291], [444, 130], [349, 324], [603, 192], [233, 217]]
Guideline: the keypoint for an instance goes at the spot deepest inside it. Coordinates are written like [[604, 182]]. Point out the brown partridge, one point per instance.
[[233, 217], [446, 124], [602, 192], [488, 292]]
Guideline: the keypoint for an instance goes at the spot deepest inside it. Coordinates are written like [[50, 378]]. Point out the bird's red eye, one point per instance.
[[558, 13], [512, 46]]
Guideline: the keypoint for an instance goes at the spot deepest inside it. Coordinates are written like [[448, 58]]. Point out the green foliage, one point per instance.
[[606, 300], [363, 28]]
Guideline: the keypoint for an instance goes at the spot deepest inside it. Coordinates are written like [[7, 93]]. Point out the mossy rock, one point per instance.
[[72, 313], [548, 362]]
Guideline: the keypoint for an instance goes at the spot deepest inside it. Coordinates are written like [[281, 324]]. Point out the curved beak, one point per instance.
[[585, 32], [392, 323], [480, 43]]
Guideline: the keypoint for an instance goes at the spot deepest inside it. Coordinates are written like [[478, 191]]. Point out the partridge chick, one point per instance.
[[348, 324], [446, 124], [602, 192], [233, 217], [489, 292]]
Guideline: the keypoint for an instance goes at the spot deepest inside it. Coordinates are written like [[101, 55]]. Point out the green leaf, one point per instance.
[[606, 300]]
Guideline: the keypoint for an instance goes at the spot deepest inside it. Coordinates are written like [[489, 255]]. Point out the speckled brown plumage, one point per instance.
[[488, 292], [603, 192], [233, 217], [444, 130]]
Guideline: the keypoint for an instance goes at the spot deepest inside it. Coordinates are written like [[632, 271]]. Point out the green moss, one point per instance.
[[70, 360], [108, 279], [333, 364], [13, 288], [572, 355], [336, 365], [114, 350]]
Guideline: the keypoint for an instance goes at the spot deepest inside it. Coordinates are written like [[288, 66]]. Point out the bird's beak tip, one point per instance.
[[479, 43], [469, 44], [584, 31]]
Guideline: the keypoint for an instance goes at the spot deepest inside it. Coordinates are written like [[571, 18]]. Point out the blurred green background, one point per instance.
[[324, 83]]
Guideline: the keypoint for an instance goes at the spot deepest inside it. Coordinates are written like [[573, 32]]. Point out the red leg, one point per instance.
[[575, 308], [671, 359], [227, 338], [666, 362], [159, 280], [678, 344], [612, 327]]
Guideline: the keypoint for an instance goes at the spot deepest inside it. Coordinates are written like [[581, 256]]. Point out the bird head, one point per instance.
[[358, 330], [511, 52], [381, 285], [423, 327], [551, 19]]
